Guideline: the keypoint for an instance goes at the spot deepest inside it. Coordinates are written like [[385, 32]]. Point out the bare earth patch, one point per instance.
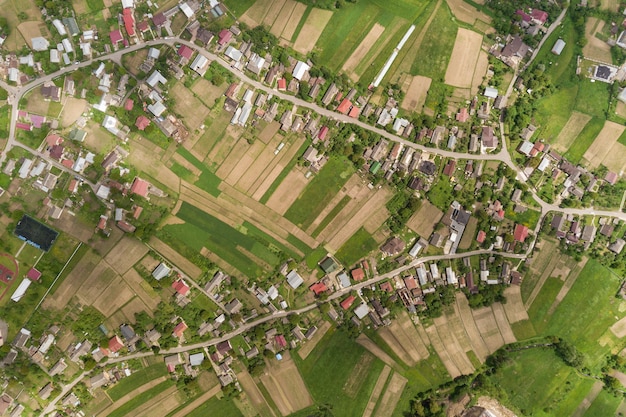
[[293, 21], [514, 307], [497, 409], [596, 48], [424, 220], [463, 59], [72, 110], [255, 14], [415, 96], [311, 30], [378, 388], [402, 337], [282, 18], [392, 395], [288, 191], [272, 12]]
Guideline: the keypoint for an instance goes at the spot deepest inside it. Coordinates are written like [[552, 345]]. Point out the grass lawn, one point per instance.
[[539, 308], [622, 138], [589, 133], [207, 181], [254, 231], [440, 195], [328, 368], [127, 408], [223, 407], [593, 98], [355, 248], [587, 311], [203, 230], [181, 171], [238, 7], [538, 383], [137, 379], [605, 404], [559, 68], [554, 111], [528, 218], [319, 192], [333, 213], [314, 257], [434, 52]]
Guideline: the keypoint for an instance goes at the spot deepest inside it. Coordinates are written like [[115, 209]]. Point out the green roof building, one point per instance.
[[375, 167]]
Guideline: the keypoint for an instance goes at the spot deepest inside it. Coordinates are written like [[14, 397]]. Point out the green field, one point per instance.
[[554, 111], [238, 7], [434, 52], [584, 140], [560, 69], [207, 181], [538, 383], [593, 98], [539, 308], [604, 405], [328, 368], [223, 407], [127, 408], [333, 213], [203, 230], [319, 192], [355, 248], [137, 379]]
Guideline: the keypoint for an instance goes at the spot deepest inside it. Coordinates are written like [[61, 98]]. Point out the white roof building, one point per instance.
[[294, 279], [157, 108], [184, 7], [558, 47], [67, 45], [154, 53], [300, 69], [25, 168], [344, 280], [154, 78], [21, 290], [415, 250], [451, 276], [126, 4], [362, 311], [99, 71], [246, 109], [545, 163], [59, 27], [103, 192], [161, 271], [88, 35], [40, 43], [79, 165], [86, 48], [196, 359], [200, 64], [13, 74], [55, 58], [110, 124], [491, 92], [234, 54]]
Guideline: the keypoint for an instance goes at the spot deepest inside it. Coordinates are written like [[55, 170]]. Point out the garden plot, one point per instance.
[[192, 110], [460, 71], [466, 12], [311, 30], [308, 347], [206, 91], [96, 282], [72, 110], [415, 96], [424, 220], [392, 395], [514, 307], [378, 389], [482, 65], [403, 339], [272, 171], [364, 341], [359, 53], [256, 13], [135, 281], [462, 310], [116, 294], [286, 387], [439, 347], [288, 191], [125, 254], [265, 159], [241, 159], [596, 48], [147, 159], [293, 21], [503, 323], [603, 145], [488, 328], [283, 18], [175, 258], [30, 30], [452, 346], [70, 285], [570, 131]]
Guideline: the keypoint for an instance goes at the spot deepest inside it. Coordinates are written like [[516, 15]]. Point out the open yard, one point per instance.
[[285, 385], [464, 57], [357, 247], [192, 111]]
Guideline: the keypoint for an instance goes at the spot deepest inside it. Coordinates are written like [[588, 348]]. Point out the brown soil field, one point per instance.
[[149, 263], [463, 310], [199, 401], [415, 96], [571, 130], [514, 307], [616, 159], [424, 220], [96, 282], [596, 48], [285, 385], [71, 225], [72, 110], [288, 191], [104, 245], [392, 395], [125, 254], [272, 12], [308, 347], [311, 30], [378, 389], [453, 347], [260, 187], [440, 348], [503, 323], [358, 374], [227, 154], [264, 161], [191, 109], [252, 391], [493, 405], [283, 17], [293, 21], [269, 132], [72, 282], [176, 258], [135, 305], [364, 341], [619, 328], [359, 53], [402, 337], [180, 160], [254, 15], [611, 5], [463, 59], [620, 109], [241, 158], [603, 143], [456, 327], [375, 205], [137, 284], [36, 103], [466, 12], [116, 294], [207, 92], [488, 328], [482, 65], [31, 30]]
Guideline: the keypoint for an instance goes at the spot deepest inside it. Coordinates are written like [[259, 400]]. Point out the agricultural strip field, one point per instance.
[[131, 401], [378, 388], [281, 20], [467, 13], [464, 57], [223, 407], [357, 247], [319, 192], [256, 13], [176, 258], [287, 192], [312, 30], [404, 340], [137, 379], [328, 369], [193, 110], [603, 145], [359, 53], [308, 347], [254, 393], [286, 387], [596, 48], [605, 404], [585, 140], [416, 93], [393, 392], [543, 261], [571, 130]]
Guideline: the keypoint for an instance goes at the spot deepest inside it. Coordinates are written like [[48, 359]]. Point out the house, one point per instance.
[[179, 329], [21, 338], [282, 84], [539, 16], [200, 64], [491, 92], [185, 52], [557, 222], [318, 288], [224, 347], [115, 344], [328, 265], [205, 36], [50, 92], [345, 106], [448, 170], [45, 392], [233, 53], [588, 233], [172, 361], [224, 37], [40, 44], [463, 115], [116, 37], [181, 287], [520, 233], [300, 70], [33, 274], [362, 311], [515, 48], [129, 21], [196, 359], [343, 279], [294, 279], [233, 307], [347, 302], [98, 380], [159, 19], [161, 271], [142, 122], [393, 246], [489, 140], [155, 78], [617, 246], [611, 177], [480, 238], [558, 47], [358, 274], [139, 187], [127, 332]]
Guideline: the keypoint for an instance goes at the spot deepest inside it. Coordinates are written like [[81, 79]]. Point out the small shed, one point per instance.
[[558, 47]]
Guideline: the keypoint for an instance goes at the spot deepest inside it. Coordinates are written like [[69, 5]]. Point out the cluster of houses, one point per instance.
[[573, 231]]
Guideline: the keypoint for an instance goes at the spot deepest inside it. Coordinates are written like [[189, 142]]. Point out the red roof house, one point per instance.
[[137, 212], [410, 283], [67, 163], [358, 274], [322, 133], [33, 274], [525, 16], [115, 344], [481, 236], [449, 168], [318, 288], [282, 84], [139, 187], [520, 233], [143, 26], [129, 21], [539, 15], [611, 178], [159, 19], [386, 286], [224, 36], [142, 122], [344, 106], [185, 52], [53, 140], [116, 37], [102, 224], [180, 287], [354, 112], [462, 116], [179, 329], [280, 341], [73, 187], [128, 106], [345, 304], [24, 126]]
